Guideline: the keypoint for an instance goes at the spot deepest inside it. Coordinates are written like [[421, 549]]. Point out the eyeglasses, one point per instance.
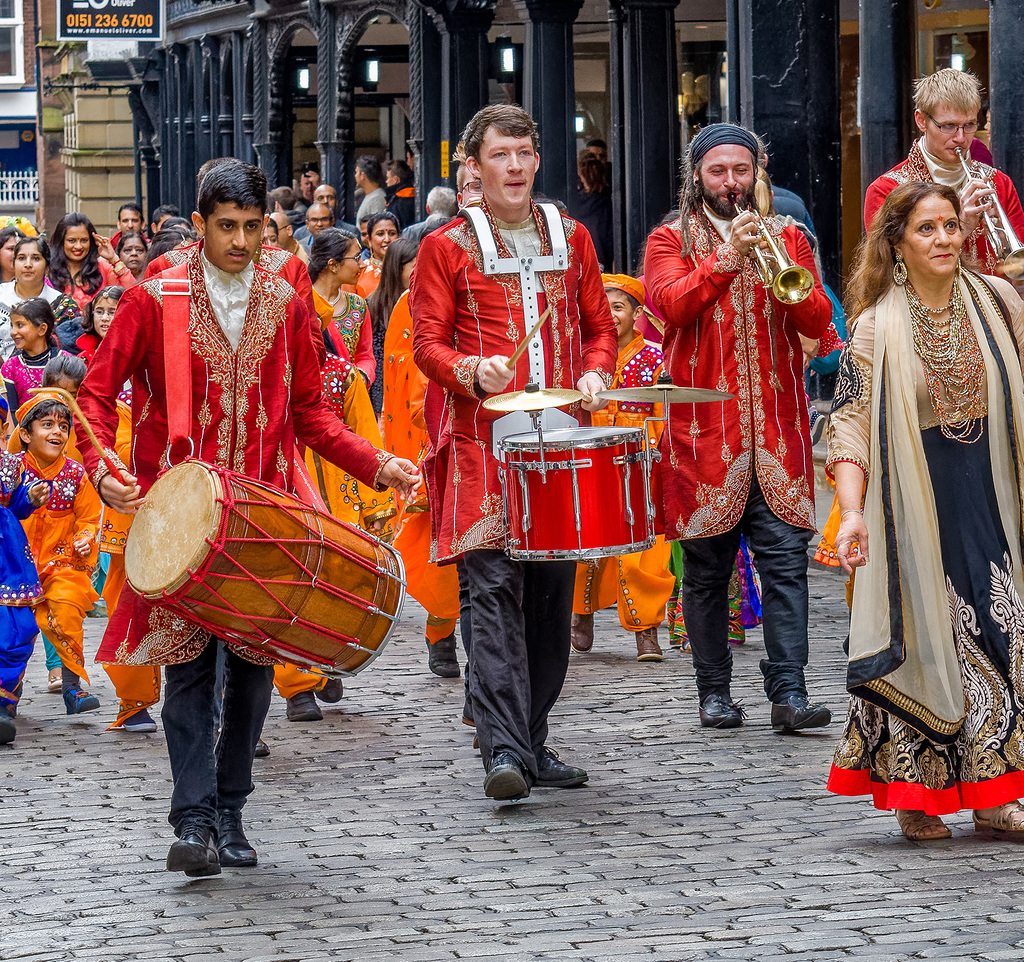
[[950, 129]]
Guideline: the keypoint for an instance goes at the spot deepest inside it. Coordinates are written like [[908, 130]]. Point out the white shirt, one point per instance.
[[229, 298], [947, 176], [522, 240], [720, 224]]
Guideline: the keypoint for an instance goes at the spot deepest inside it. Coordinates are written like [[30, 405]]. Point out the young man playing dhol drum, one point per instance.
[[250, 367], [469, 314]]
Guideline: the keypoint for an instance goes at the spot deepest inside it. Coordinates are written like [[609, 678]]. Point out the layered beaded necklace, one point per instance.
[[954, 368]]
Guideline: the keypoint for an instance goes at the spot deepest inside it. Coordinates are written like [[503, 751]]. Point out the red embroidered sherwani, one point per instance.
[[248, 409], [976, 246], [272, 259], [461, 316], [724, 331]]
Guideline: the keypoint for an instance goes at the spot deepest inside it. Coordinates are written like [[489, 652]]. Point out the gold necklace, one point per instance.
[[954, 367]]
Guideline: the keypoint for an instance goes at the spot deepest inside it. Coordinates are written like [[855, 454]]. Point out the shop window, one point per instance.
[[12, 42]]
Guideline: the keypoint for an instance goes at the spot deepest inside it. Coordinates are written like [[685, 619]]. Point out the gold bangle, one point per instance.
[[843, 514]]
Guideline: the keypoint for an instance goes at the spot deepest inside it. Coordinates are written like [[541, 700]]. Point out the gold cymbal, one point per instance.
[[532, 400], [655, 394]]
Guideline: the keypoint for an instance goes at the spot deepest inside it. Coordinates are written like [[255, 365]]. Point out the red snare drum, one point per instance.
[[586, 495], [254, 565]]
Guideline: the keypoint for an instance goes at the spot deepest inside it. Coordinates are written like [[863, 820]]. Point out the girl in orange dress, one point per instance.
[[63, 539]]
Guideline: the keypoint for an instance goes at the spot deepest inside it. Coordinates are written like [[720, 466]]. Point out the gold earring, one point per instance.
[[899, 272]]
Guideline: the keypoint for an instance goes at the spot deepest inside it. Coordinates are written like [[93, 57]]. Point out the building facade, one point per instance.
[[826, 82], [19, 181]]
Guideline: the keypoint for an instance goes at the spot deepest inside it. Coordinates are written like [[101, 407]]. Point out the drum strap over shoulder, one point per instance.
[[177, 299]]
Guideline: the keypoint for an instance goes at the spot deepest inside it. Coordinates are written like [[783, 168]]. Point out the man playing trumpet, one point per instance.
[[743, 466], [946, 111]]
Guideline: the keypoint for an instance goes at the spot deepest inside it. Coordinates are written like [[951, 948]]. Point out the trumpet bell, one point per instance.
[[793, 284], [1013, 265]]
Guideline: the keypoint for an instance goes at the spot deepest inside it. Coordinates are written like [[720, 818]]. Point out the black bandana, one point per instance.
[[716, 135]]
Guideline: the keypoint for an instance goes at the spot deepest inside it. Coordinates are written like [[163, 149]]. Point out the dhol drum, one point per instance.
[[256, 566], [579, 493]]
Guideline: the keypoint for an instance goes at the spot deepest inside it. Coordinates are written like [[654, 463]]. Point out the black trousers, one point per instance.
[[780, 553], [212, 774], [520, 612]]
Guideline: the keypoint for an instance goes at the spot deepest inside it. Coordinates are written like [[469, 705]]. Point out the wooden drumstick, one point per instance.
[[518, 352], [70, 401]]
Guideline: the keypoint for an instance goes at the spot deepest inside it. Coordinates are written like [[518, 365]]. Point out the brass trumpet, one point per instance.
[[788, 281], [1000, 232]]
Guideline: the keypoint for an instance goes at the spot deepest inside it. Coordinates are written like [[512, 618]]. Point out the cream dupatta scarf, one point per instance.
[[902, 653]]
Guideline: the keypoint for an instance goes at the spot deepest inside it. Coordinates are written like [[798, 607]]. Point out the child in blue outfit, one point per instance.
[[19, 586]]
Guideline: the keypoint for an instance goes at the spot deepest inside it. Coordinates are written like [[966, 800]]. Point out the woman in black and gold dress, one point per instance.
[[925, 446]]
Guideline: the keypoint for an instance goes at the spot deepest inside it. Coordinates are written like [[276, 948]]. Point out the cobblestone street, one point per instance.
[[376, 842]]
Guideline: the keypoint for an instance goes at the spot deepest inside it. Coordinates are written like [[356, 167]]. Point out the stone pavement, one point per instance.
[[376, 842]]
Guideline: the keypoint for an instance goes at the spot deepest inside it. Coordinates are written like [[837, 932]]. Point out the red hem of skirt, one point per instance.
[[931, 801]]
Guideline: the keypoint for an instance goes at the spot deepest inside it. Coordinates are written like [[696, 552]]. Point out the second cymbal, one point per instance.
[[532, 400], [654, 394]]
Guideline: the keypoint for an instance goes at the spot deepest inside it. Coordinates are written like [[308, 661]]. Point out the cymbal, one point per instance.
[[532, 400], [655, 394]]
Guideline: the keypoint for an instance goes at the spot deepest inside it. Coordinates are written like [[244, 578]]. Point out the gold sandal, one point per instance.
[[919, 827], [1006, 818]]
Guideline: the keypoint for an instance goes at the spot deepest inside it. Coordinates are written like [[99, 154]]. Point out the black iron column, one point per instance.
[[425, 96], [267, 119], [327, 94], [617, 132], [733, 74], [550, 94], [650, 84], [790, 65], [887, 39], [1006, 83], [464, 66], [202, 109]]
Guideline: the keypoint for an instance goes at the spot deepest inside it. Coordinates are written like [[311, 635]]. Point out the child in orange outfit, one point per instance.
[[639, 584], [63, 539]]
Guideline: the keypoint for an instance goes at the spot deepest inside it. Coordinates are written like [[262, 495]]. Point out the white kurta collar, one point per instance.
[[947, 176], [229, 298]]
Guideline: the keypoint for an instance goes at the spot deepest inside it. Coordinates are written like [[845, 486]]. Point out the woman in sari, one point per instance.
[[925, 442], [333, 261]]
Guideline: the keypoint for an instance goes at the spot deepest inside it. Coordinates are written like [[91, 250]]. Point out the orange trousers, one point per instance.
[[137, 686], [436, 587], [640, 585], [67, 596]]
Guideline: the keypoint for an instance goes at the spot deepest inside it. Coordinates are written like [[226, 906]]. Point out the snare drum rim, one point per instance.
[[580, 554], [614, 437]]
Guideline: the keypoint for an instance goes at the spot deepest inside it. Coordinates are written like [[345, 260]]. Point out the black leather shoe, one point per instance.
[[552, 772], [232, 845], [262, 749], [441, 657], [795, 713], [720, 711], [331, 692], [8, 728], [193, 853], [506, 778], [303, 707]]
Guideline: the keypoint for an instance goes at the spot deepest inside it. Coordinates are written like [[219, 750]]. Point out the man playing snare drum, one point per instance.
[[251, 367], [467, 320]]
